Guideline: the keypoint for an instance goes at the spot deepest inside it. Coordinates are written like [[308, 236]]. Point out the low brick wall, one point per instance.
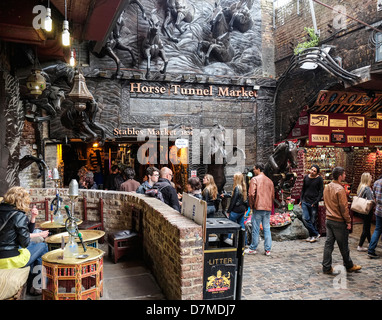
[[172, 243]]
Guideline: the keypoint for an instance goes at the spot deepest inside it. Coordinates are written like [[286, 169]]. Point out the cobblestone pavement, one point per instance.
[[293, 271]]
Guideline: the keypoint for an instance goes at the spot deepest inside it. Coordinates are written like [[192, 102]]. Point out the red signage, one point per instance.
[[345, 130]]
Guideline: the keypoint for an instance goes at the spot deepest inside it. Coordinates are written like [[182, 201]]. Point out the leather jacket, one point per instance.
[[16, 232], [237, 202]]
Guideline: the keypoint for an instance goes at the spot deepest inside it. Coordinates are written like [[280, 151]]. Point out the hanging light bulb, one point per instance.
[[72, 60], [65, 34], [48, 19], [65, 31]]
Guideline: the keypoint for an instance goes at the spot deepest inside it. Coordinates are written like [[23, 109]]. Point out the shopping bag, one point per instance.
[[361, 205]]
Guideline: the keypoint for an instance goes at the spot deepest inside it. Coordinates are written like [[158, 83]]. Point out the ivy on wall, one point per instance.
[[313, 42]]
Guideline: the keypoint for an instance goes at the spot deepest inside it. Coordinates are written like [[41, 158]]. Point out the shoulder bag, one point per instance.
[[9, 218], [361, 205]]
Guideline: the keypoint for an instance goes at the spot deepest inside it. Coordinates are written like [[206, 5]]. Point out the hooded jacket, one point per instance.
[[16, 232]]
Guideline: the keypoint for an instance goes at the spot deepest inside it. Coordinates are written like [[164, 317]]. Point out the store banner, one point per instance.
[[343, 130], [374, 132]]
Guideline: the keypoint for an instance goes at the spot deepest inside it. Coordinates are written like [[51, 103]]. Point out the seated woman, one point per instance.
[[16, 248]]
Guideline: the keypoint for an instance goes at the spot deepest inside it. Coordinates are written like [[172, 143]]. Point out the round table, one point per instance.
[[73, 278], [55, 227], [89, 237]]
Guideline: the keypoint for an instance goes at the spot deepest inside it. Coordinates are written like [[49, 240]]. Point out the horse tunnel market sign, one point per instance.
[[178, 89]]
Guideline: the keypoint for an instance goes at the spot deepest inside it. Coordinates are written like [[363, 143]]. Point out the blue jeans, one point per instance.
[[263, 217], [376, 234], [238, 218], [309, 214], [37, 250]]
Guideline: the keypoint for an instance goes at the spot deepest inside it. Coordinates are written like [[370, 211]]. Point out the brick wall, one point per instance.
[[172, 244], [351, 41]]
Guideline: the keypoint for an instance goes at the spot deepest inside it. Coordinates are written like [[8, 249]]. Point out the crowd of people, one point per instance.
[[18, 248]]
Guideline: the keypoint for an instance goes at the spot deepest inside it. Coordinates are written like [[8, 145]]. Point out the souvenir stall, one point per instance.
[[339, 132]]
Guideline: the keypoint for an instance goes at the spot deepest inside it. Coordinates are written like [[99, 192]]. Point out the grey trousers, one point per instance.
[[336, 232]]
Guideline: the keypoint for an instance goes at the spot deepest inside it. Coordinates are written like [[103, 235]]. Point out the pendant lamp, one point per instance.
[[80, 93]]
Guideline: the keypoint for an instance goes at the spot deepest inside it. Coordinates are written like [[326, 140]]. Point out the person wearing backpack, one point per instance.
[[153, 176], [170, 197]]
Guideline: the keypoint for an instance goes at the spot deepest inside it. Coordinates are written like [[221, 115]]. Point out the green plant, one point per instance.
[[313, 42]]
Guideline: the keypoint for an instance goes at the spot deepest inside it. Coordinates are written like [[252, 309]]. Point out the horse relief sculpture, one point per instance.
[[239, 16], [176, 12], [218, 45], [152, 46], [115, 42]]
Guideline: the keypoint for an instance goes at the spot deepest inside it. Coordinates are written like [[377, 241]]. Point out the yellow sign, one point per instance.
[[356, 122], [355, 139], [375, 139], [319, 120], [320, 138], [339, 123], [372, 124]]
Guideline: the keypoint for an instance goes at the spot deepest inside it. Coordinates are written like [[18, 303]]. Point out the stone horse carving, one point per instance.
[[278, 167], [152, 46], [219, 46], [27, 160], [114, 42], [176, 12], [82, 123], [221, 155], [239, 16], [51, 98]]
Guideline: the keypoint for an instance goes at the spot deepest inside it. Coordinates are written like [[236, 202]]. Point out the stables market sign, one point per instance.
[[178, 89]]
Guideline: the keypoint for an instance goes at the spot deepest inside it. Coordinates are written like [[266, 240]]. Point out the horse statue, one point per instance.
[[176, 12], [219, 46], [27, 160], [114, 42], [51, 98], [152, 46], [220, 155], [82, 122], [279, 164]]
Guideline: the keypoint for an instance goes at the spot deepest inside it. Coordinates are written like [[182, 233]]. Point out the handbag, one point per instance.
[[361, 205]]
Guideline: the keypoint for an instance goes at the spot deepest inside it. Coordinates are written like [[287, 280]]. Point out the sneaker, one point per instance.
[[308, 239], [373, 255], [250, 251], [267, 253], [314, 239], [354, 268], [330, 271], [361, 249]]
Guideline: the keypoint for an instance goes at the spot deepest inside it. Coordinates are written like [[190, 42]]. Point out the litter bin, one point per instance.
[[223, 260]]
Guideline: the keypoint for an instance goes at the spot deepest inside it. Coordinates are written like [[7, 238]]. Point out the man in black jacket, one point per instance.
[[169, 194]]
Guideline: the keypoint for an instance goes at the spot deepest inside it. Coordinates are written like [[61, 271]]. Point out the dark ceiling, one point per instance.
[[88, 20]]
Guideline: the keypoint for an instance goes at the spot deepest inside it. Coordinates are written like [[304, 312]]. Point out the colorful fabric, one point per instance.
[[16, 262]]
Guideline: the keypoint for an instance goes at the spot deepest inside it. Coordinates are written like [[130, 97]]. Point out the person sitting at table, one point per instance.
[[16, 248]]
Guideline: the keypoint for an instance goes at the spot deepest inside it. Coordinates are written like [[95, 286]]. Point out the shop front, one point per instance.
[[340, 129]]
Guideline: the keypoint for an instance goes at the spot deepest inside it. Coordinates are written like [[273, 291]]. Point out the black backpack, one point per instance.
[[156, 193]]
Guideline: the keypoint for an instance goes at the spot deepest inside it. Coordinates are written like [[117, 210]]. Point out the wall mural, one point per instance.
[[185, 36]]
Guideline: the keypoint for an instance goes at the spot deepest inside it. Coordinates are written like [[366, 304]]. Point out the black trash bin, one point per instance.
[[223, 260]]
